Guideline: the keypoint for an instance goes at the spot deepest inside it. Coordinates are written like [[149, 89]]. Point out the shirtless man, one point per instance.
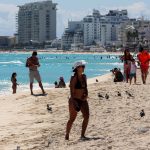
[[33, 63]]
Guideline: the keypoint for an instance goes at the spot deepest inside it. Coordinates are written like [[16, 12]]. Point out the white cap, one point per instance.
[[79, 63]]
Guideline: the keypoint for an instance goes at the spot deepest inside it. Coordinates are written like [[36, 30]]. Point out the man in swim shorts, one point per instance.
[[33, 63]]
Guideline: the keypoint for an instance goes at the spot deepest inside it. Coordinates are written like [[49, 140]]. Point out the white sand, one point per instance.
[[114, 124]]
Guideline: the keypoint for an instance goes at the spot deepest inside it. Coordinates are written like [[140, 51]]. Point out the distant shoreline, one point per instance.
[[59, 52]]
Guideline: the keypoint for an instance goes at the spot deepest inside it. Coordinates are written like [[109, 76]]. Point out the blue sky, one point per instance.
[[71, 10]]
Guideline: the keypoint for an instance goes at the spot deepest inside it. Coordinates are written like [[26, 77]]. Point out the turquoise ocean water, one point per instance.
[[52, 67]]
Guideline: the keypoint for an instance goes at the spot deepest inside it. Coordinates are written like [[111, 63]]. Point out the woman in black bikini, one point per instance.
[[78, 99]]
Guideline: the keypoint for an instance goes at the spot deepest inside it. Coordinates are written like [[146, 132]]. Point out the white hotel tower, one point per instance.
[[37, 22]]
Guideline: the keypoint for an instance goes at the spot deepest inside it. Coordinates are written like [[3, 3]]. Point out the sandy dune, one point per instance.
[[114, 124]]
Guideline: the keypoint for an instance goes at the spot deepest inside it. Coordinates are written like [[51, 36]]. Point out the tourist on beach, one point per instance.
[[56, 84], [78, 99], [133, 69], [118, 75], [14, 82], [144, 58], [126, 58], [61, 83], [33, 63]]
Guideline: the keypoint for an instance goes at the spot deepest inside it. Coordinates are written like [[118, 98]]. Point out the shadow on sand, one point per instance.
[[37, 95], [91, 139]]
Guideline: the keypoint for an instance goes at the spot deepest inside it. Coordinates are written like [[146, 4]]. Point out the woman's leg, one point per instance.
[[73, 115], [130, 80], [135, 79], [85, 112], [14, 89]]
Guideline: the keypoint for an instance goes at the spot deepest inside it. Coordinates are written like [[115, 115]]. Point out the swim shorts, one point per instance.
[[34, 74], [132, 75]]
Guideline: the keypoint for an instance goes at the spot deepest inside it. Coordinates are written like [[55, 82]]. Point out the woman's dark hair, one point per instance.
[[141, 49], [34, 53], [13, 75], [127, 57], [74, 70]]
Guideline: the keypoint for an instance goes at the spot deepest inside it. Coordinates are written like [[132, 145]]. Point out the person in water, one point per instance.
[[62, 83], [14, 82], [78, 100], [144, 59], [33, 63], [127, 58]]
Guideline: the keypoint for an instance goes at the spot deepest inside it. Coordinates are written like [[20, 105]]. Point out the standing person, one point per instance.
[[133, 69], [144, 58], [127, 57], [33, 63], [78, 99], [14, 82]]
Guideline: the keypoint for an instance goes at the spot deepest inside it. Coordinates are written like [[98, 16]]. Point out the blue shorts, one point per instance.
[[133, 75]]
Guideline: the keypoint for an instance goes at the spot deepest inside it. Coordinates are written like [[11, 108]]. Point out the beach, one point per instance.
[[114, 123]]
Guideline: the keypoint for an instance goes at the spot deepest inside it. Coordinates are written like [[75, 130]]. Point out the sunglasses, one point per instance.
[[82, 67]]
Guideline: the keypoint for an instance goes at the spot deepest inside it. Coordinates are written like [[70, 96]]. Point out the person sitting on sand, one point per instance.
[[118, 75], [33, 63], [14, 82], [144, 58], [133, 69], [56, 84], [78, 99], [61, 83]]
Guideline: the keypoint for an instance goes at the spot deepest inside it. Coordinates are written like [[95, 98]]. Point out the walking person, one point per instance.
[[127, 58], [133, 69], [78, 100], [14, 82], [144, 58], [33, 63]]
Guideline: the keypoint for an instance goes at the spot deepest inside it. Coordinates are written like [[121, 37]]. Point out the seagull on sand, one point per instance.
[[100, 96], [49, 108], [142, 113], [129, 94], [119, 94], [107, 96]]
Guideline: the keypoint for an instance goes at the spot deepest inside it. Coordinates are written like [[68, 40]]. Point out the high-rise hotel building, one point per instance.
[[37, 22]]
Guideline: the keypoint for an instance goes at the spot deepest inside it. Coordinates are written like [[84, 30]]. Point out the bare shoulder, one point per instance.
[[84, 75]]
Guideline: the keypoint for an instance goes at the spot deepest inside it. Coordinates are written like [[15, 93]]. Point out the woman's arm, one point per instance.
[[86, 90], [72, 86]]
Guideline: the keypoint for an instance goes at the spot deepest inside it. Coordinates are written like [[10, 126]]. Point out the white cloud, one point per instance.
[[8, 13], [135, 10], [7, 19], [139, 9], [64, 15]]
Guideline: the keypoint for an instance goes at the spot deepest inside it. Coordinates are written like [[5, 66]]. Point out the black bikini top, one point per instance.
[[81, 84]]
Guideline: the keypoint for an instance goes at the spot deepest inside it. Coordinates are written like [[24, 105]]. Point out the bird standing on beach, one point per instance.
[[107, 96], [100, 96], [96, 80], [119, 94], [142, 113], [129, 94], [49, 108]]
